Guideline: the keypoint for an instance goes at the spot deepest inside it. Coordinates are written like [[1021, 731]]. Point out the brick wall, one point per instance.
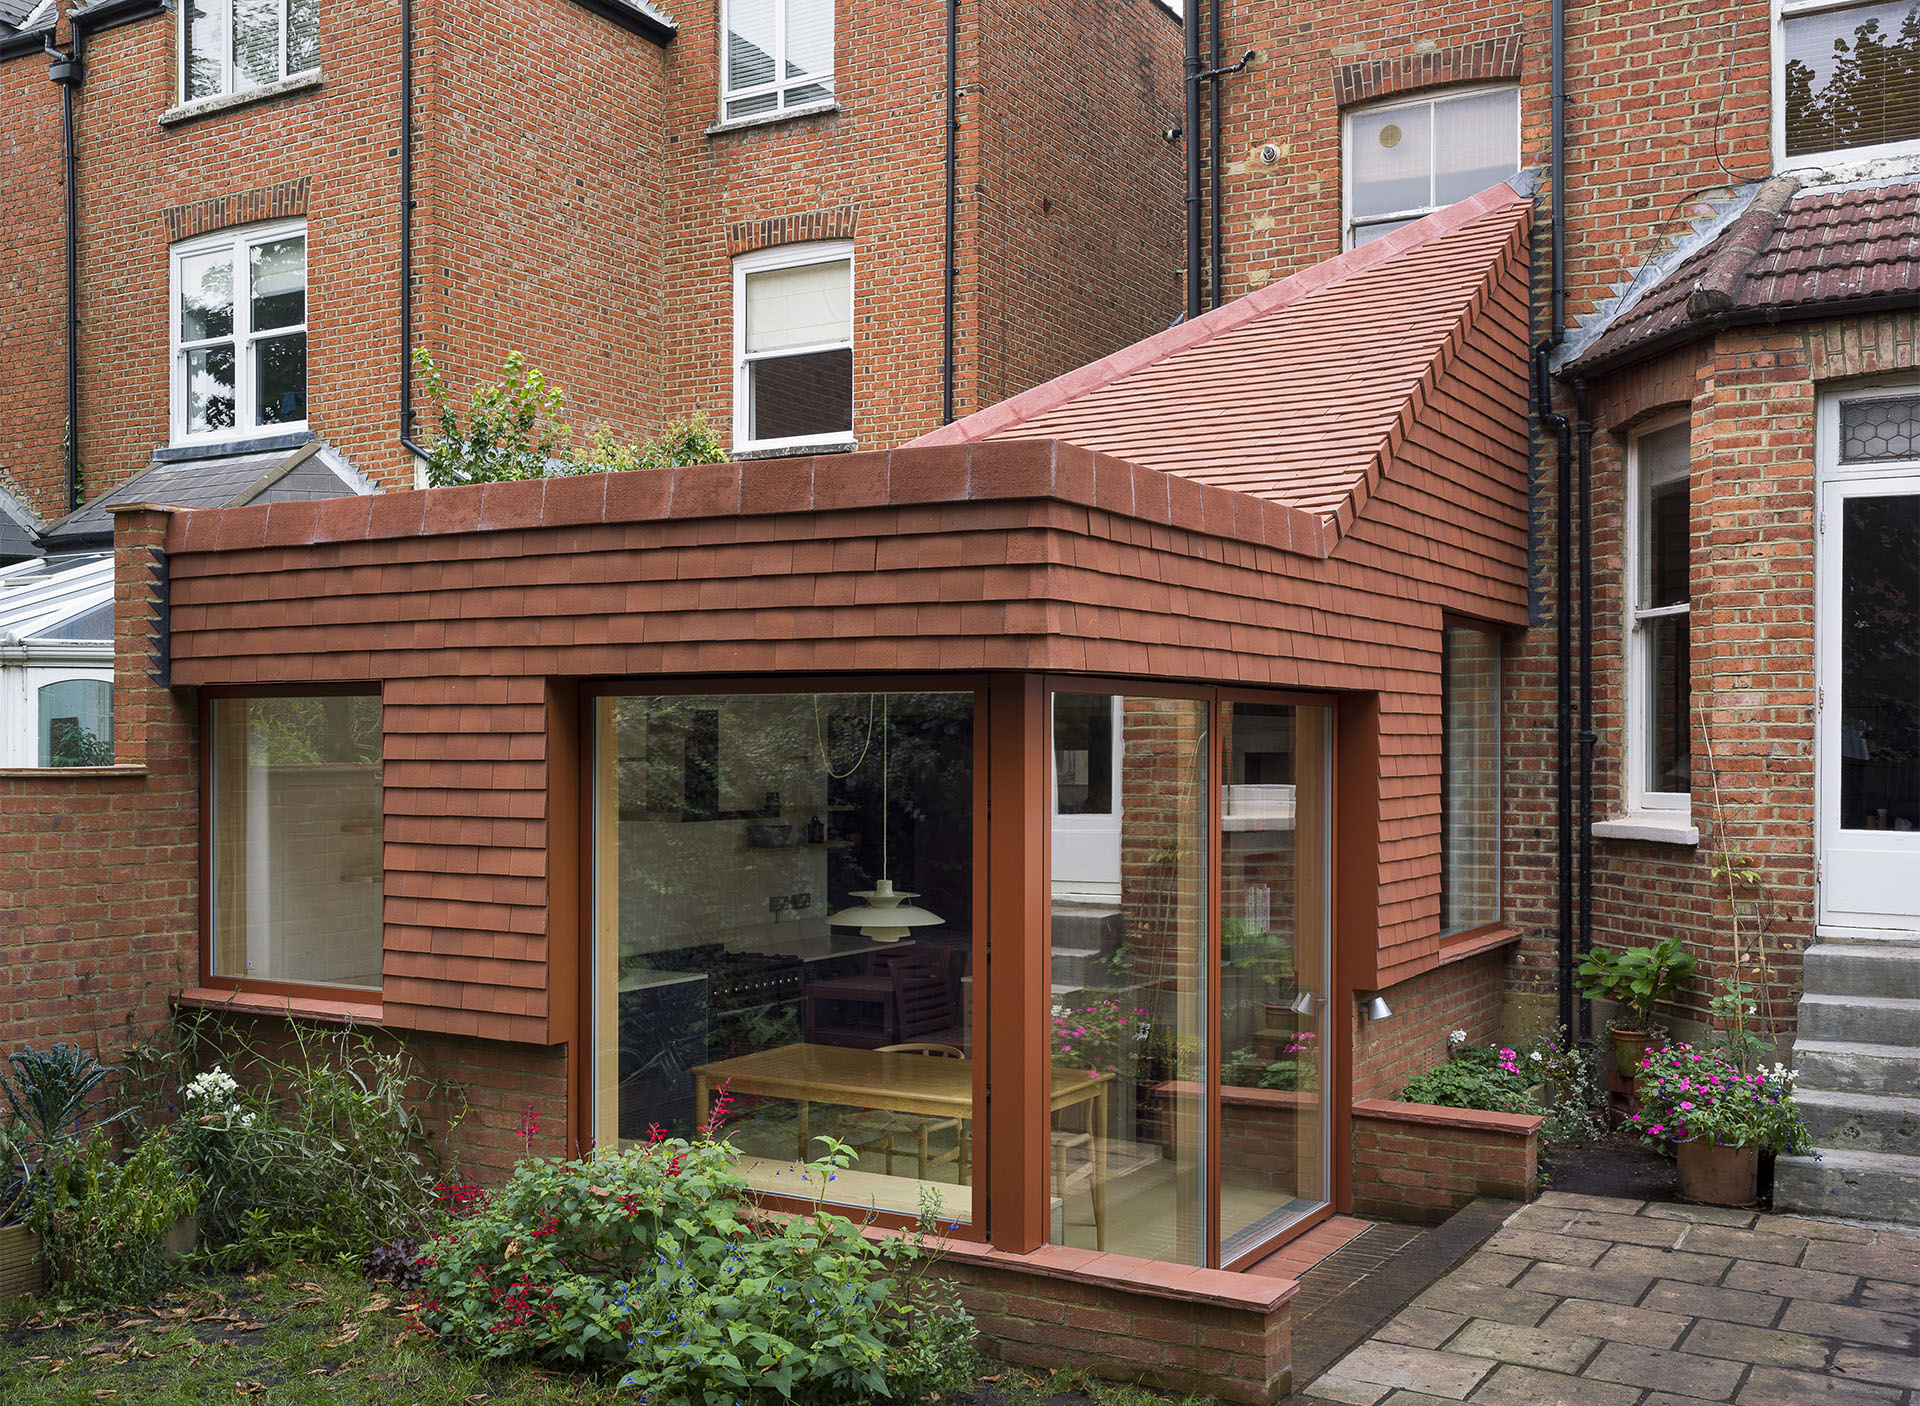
[[1416, 1162], [32, 288], [1462, 995]]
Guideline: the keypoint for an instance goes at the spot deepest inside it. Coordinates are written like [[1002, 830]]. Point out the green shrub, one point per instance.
[[653, 1263], [100, 1222], [1474, 1078], [320, 1153]]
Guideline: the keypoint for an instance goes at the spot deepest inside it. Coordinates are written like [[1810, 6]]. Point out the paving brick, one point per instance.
[[1738, 1342], [1575, 1201], [1512, 1385], [1617, 1322], [1744, 1244], [1896, 1298], [1701, 1215], [1629, 1230], [1565, 1281], [1701, 1300], [1347, 1391], [1854, 1325], [1391, 1365], [1892, 1368], [1553, 1248], [1490, 1268], [1790, 1283], [1420, 1327], [1894, 1257], [1546, 1348], [1776, 1386], [1665, 1264], [1470, 1300], [1704, 1378]]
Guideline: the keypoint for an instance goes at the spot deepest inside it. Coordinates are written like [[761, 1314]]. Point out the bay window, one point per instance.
[[1659, 661]]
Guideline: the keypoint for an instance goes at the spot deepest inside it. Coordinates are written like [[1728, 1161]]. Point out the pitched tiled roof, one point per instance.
[[273, 476], [1294, 393], [1787, 254]]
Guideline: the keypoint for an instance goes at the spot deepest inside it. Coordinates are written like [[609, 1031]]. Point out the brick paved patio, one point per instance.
[[1590, 1301]]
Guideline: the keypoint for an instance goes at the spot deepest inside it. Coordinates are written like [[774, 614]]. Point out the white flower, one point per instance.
[[1457, 1037], [1535, 1056], [216, 1086], [246, 1120]]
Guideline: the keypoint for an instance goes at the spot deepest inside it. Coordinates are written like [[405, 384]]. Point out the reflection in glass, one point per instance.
[[1470, 779], [1274, 968], [296, 862], [1131, 994], [280, 379], [1850, 77], [210, 389], [730, 829], [206, 48], [278, 283], [76, 723], [303, 35], [749, 43], [794, 396], [206, 296], [1669, 675], [1880, 663], [256, 43]]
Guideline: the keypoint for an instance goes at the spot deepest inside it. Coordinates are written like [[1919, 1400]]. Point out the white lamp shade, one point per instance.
[[886, 916]]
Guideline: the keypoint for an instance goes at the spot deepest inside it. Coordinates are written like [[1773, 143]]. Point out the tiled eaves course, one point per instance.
[[979, 473]]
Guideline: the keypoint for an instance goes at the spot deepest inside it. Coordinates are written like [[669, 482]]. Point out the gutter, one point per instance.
[[1773, 315]]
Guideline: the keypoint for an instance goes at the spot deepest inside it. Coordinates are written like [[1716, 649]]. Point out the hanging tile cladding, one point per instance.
[[1029, 555]]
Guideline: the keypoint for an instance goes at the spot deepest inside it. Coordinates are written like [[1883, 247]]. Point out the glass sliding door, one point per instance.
[[784, 908], [1131, 989], [1275, 967]]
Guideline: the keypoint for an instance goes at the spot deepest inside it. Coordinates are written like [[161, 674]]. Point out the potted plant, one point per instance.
[[1719, 1120], [1635, 980]]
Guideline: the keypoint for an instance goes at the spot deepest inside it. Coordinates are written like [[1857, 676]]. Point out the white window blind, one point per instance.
[[778, 55], [811, 305]]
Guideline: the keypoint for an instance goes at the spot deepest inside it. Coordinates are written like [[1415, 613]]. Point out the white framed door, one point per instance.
[[1867, 640], [1085, 797]]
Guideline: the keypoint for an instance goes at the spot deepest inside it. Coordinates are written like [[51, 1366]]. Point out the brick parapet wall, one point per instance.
[[1463, 995], [1417, 1162]]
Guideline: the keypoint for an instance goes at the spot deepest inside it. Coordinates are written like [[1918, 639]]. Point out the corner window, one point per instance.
[[234, 46], [1470, 778], [1846, 79], [778, 55], [239, 326], [1407, 159], [1659, 662], [793, 347], [295, 863]]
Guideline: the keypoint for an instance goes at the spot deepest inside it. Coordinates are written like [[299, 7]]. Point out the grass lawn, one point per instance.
[[306, 1335]]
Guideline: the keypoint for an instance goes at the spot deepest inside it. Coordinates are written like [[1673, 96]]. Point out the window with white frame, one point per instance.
[[778, 55], [240, 333], [1846, 79], [1659, 695], [793, 346], [1409, 158], [235, 46]]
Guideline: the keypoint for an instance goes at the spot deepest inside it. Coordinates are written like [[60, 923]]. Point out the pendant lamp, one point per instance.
[[886, 915]]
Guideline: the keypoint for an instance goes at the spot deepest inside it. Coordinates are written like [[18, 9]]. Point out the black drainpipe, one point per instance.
[[67, 71], [406, 232], [1588, 738], [1217, 263], [1190, 32], [951, 275]]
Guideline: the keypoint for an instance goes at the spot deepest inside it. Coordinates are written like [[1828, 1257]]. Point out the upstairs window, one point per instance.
[[1407, 159], [1847, 79], [1659, 657], [793, 347], [240, 333], [235, 46], [778, 56]]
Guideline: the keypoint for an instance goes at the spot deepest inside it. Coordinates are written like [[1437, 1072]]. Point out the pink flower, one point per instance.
[[1687, 1107]]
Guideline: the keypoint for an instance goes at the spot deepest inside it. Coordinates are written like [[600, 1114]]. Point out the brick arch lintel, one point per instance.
[[797, 227], [284, 200], [1483, 61]]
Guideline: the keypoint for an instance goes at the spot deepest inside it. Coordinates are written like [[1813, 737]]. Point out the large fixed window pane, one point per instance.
[[1880, 663], [1275, 968], [76, 723], [1470, 779], [296, 840], [1131, 995], [1852, 77], [785, 905]]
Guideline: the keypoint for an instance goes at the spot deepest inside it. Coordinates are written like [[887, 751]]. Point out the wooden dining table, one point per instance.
[[896, 1082]]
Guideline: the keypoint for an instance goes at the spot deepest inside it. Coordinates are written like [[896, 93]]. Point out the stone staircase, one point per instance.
[[1858, 1056], [1084, 936]]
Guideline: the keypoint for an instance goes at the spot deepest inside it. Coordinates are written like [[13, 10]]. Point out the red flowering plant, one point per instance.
[[1688, 1093], [653, 1265]]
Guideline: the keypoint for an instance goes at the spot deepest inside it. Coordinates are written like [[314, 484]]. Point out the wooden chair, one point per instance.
[[879, 1131]]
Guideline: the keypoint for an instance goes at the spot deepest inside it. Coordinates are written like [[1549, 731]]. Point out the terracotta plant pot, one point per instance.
[[1712, 1175], [20, 1268], [1629, 1048]]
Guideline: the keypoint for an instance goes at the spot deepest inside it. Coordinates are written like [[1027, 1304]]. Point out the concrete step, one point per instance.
[[1889, 937], [1862, 969], [1877, 1020], [1877, 1186], [1849, 1067], [1861, 1122], [1088, 926], [1073, 966]]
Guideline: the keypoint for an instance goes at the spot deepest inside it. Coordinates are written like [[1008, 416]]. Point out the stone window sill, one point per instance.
[[1649, 827], [226, 102], [799, 451], [117, 772], [773, 119]]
